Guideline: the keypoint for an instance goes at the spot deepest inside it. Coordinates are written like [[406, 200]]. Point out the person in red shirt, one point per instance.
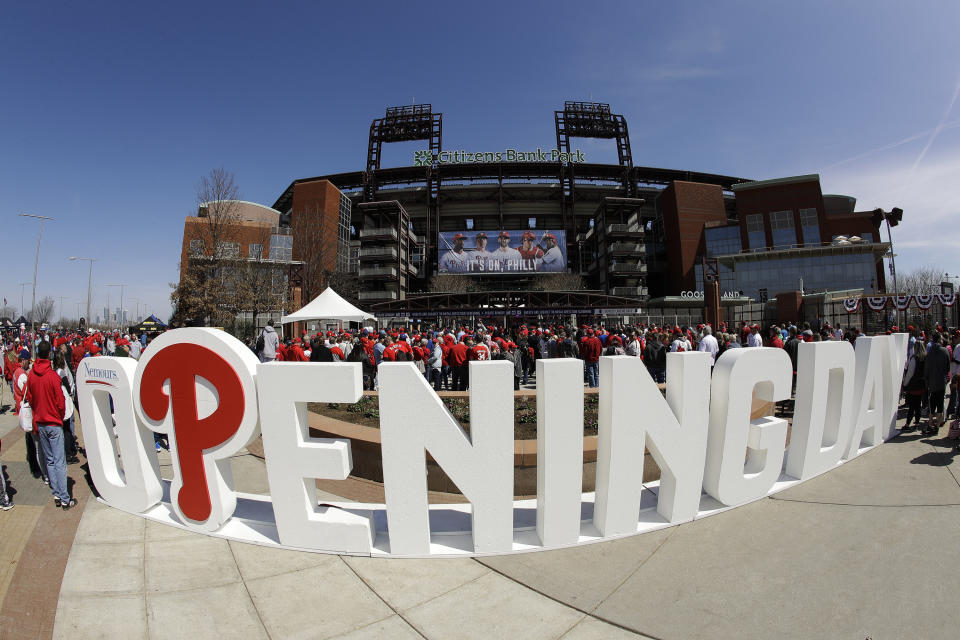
[[590, 350], [479, 352], [48, 404], [458, 363], [775, 339], [391, 350], [295, 353]]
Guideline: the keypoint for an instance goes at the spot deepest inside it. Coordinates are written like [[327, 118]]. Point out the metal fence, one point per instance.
[[870, 321]]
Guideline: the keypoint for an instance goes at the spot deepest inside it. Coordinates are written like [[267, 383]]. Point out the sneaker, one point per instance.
[[57, 503], [158, 447], [6, 506], [72, 502], [46, 481], [73, 460]]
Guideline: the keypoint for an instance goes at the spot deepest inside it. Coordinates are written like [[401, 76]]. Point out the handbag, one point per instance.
[[26, 417], [954, 432], [67, 404]]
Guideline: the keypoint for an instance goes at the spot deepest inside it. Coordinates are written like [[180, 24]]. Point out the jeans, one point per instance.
[[593, 374], [434, 378], [4, 495], [460, 378], [51, 443], [445, 377]]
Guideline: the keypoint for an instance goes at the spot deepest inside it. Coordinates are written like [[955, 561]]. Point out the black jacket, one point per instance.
[[936, 367]]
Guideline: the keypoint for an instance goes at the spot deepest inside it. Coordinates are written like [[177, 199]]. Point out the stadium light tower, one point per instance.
[[89, 282]]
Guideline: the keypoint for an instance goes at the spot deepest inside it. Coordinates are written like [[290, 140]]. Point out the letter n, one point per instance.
[[413, 419], [631, 408]]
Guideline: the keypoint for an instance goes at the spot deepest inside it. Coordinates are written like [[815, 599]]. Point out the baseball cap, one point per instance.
[[528, 235], [459, 236], [549, 236], [504, 234]]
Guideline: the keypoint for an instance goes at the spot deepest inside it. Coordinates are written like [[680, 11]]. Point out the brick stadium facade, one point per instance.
[[632, 232]]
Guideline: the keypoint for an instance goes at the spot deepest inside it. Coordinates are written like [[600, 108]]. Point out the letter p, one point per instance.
[[199, 389]]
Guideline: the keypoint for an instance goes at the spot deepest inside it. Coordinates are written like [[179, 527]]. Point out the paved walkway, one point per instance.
[[864, 551]]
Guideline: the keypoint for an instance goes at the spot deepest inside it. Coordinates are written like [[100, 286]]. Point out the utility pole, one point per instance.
[[61, 309], [36, 264]]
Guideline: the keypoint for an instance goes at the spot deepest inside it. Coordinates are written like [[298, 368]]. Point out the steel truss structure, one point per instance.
[[506, 302], [592, 120]]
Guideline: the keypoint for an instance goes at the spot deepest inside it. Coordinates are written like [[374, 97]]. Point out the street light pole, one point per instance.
[[895, 214], [36, 264], [89, 283]]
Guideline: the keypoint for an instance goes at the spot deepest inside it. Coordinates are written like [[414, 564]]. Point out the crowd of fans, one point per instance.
[[40, 370], [34, 365]]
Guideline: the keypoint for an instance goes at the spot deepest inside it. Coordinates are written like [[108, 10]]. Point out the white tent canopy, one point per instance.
[[328, 306]]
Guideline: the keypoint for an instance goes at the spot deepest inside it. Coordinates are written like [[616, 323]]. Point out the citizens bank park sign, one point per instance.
[[211, 396]]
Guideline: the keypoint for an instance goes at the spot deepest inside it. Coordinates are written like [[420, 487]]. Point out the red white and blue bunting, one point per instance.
[[879, 303]]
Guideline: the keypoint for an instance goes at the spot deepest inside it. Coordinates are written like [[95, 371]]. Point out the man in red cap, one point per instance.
[[504, 257], [530, 251], [552, 258], [458, 363], [590, 350]]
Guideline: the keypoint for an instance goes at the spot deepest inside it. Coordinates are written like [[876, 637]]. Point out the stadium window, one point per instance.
[[255, 251], [469, 223], [196, 248], [532, 223]]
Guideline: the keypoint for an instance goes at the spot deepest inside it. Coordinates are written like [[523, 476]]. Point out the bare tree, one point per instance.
[[44, 310], [317, 245], [560, 282], [7, 311], [452, 283], [922, 280], [206, 293]]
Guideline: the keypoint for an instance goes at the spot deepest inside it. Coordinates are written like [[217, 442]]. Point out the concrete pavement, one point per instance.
[[863, 551]]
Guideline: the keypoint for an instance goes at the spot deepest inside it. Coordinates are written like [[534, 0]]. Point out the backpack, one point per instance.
[[260, 343]]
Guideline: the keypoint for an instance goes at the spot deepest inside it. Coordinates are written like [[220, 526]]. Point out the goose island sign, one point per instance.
[[211, 396]]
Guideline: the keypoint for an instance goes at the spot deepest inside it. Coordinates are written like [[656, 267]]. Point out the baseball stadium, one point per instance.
[[547, 229]]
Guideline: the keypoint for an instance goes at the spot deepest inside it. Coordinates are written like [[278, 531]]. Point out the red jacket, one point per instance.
[[590, 349], [458, 355], [18, 393], [44, 395], [76, 355]]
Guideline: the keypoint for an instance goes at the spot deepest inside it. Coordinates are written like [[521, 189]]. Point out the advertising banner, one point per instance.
[[506, 251]]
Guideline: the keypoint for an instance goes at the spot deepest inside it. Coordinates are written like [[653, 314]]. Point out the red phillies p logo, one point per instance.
[[168, 380]]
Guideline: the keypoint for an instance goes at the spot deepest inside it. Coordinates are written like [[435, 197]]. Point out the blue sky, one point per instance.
[[112, 112]]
